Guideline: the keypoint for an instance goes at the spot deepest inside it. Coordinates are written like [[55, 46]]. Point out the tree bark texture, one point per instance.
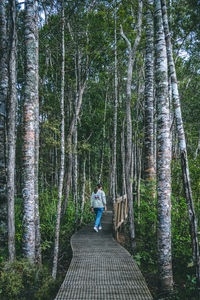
[[68, 180], [149, 171], [38, 256], [163, 157], [75, 171], [29, 134], [114, 156], [123, 159], [198, 148], [62, 157], [104, 137], [3, 101], [182, 146], [131, 59], [83, 191], [12, 101]]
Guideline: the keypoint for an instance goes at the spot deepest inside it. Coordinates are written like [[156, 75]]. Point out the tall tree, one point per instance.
[[182, 145], [149, 171], [114, 156], [131, 60], [163, 157], [29, 133], [12, 102], [3, 101], [38, 256], [83, 190], [62, 157]]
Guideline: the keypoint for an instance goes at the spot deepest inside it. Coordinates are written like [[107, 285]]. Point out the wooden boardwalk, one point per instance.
[[101, 269]]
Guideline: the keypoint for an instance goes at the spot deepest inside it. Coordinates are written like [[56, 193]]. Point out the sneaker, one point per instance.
[[95, 228], [100, 227]]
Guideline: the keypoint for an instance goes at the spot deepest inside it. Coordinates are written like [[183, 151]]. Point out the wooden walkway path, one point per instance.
[[101, 269]]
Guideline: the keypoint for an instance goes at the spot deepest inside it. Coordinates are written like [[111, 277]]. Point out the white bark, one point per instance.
[[11, 132], [149, 164], [103, 142], [163, 157], [83, 191], [3, 101], [114, 156], [38, 256], [131, 59], [62, 158], [29, 134], [182, 147]]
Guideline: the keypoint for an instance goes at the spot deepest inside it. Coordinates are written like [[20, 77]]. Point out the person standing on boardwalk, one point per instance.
[[98, 203]]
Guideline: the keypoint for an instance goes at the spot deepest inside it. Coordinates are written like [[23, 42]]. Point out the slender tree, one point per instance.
[[182, 146], [163, 157], [131, 59], [149, 164], [62, 158], [83, 191], [29, 133], [3, 102], [38, 256], [114, 156], [104, 136], [11, 130]]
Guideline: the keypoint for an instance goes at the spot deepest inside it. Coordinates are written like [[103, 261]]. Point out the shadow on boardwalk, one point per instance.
[[101, 269]]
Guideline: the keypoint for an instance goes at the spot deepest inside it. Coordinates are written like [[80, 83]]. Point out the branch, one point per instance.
[[125, 38]]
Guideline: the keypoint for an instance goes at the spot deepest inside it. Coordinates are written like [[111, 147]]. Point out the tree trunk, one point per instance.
[[38, 256], [62, 157], [163, 157], [198, 148], [83, 192], [114, 156], [75, 172], [12, 101], [182, 147], [68, 180], [104, 136], [149, 171], [3, 100], [123, 160], [29, 134], [131, 59]]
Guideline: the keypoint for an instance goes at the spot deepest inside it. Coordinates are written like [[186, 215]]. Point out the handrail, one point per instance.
[[120, 212]]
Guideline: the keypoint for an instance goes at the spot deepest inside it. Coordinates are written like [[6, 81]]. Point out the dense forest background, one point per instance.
[[81, 103]]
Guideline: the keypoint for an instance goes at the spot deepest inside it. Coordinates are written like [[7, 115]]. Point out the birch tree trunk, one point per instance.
[[3, 100], [68, 180], [149, 171], [62, 157], [75, 172], [83, 192], [38, 256], [198, 148], [163, 157], [131, 59], [114, 157], [29, 134], [182, 147], [12, 101], [104, 136], [123, 160]]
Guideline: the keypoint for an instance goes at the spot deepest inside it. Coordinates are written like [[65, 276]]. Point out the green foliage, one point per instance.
[[21, 280]]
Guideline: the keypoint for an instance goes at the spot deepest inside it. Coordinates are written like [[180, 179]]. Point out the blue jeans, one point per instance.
[[98, 211]]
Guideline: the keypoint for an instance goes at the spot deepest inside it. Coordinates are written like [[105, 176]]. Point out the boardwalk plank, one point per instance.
[[101, 269]]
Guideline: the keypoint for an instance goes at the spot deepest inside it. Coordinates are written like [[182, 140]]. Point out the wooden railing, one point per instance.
[[120, 213]]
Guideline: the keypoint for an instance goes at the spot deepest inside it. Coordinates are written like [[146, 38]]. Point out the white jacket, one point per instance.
[[98, 200]]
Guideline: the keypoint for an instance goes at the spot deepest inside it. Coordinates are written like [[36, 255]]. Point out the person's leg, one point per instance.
[[98, 218]]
